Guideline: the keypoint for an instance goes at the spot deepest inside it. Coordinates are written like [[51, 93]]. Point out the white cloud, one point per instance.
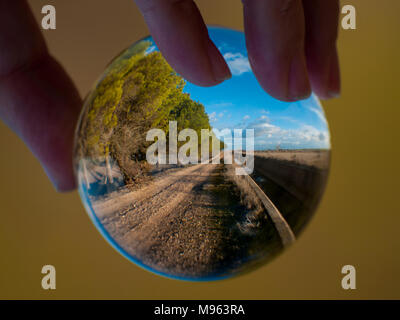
[[246, 117], [262, 127], [269, 136], [237, 62], [213, 117]]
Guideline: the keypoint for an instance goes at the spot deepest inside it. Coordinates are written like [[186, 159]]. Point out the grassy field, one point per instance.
[[316, 158]]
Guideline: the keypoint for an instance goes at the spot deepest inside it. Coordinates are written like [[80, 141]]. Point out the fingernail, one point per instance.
[[219, 67], [298, 85]]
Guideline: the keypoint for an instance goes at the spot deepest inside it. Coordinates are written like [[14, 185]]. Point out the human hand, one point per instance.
[[37, 98], [291, 44], [41, 104]]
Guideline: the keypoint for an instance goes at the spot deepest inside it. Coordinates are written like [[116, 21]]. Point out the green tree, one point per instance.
[[138, 92]]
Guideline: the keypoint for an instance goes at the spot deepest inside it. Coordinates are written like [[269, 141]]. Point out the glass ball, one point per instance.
[[198, 183]]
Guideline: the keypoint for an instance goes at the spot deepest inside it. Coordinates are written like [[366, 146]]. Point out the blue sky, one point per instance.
[[240, 103]]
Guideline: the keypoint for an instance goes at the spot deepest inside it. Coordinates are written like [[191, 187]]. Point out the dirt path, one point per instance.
[[189, 222], [172, 224]]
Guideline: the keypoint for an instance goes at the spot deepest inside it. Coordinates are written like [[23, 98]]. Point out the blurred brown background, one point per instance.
[[357, 222]]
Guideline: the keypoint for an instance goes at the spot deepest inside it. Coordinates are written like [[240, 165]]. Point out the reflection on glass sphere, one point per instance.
[[197, 183]]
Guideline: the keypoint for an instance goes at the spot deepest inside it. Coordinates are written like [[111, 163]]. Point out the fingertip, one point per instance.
[[182, 37], [57, 168], [321, 48], [325, 78], [63, 186], [286, 81], [334, 87], [59, 171], [298, 84], [219, 67], [275, 41]]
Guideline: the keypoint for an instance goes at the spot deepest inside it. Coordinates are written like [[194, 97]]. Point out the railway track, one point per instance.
[[282, 227]]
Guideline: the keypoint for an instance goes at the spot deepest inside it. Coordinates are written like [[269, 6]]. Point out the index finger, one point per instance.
[[181, 35], [275, 31]]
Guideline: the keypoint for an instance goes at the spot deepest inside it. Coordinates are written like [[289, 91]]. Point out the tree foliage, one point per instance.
[[138, 92]]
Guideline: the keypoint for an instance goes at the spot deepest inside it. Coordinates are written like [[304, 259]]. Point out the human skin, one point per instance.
[[291, 46]]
